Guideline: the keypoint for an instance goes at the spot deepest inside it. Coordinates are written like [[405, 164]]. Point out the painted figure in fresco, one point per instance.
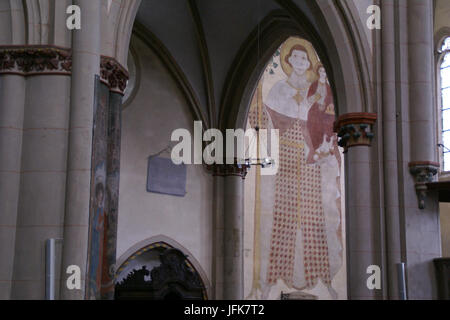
[[321, 118], [287, 101], [326, 153], [300, 248], [97, 240]]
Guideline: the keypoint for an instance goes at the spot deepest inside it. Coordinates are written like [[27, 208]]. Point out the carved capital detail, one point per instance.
[[35, 60], [228, 170], [113, 74], [45, 60], [423, 173], [355, 129]]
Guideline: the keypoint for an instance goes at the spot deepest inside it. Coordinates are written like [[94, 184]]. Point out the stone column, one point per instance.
[[12, 101], [218, 233], [43, 180], [421, 75], [40, 156], [389, 144], [422, 231], [233, 286], [233, 229], [86, 64], [112, 194], [421, 79], [363, 227]]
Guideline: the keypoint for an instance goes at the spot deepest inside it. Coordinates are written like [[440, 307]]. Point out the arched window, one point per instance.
[[445, 104]]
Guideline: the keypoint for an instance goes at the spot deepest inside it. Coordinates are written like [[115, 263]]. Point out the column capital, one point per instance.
[[423, 173], [228, 170], [30, 60], [355, 129], [113, 74]]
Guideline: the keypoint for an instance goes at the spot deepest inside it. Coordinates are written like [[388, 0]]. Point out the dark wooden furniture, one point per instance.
[[443, 189], [442, 267], [172, 280]]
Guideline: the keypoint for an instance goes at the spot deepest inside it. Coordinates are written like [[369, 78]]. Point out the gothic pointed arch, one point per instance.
[[192, 276], [329, 32]]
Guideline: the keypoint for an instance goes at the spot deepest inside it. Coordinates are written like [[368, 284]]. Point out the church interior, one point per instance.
[[342, 191]]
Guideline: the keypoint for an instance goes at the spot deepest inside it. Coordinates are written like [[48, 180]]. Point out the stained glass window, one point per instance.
[[445, 103]]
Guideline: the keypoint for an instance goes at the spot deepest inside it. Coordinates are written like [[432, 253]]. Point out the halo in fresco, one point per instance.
[[286, 48]]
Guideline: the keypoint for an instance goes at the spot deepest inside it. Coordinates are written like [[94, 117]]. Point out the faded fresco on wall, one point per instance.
[[98, 215], [294, 227], [104, 194], [112, 193]]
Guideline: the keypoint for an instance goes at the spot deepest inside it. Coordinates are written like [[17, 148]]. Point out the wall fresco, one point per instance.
[[294, 230]]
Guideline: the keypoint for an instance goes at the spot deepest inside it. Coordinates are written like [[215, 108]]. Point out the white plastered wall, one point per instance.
[[147, 124]]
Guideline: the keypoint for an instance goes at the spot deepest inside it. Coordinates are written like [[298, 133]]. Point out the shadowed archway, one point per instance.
[[159, 271]]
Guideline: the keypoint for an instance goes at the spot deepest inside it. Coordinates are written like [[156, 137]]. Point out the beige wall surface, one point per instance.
[[147, 124], [442, 14], [363, 16]]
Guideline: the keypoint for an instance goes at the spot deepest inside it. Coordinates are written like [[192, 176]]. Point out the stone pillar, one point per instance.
[[233, 229], [363, 224], [421, 82], [105, 176], [218, 233], [40, 156], [233, 238], [421, 75], [363, 227], [86, 65], [422, 231], [112, 188], [233, 286], [12, 101], [389, 146], [43, 180]]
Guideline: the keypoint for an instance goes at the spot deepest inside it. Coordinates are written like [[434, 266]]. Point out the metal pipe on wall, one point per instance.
[[401, 276], [50, 257]]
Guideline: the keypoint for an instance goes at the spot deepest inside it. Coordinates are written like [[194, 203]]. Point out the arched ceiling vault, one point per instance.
[[205, 38]]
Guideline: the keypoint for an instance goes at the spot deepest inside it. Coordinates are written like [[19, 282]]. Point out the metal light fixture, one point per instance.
[[262, 162]]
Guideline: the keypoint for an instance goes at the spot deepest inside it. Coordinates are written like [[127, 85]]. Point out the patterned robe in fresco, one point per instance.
[[298, 206]]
